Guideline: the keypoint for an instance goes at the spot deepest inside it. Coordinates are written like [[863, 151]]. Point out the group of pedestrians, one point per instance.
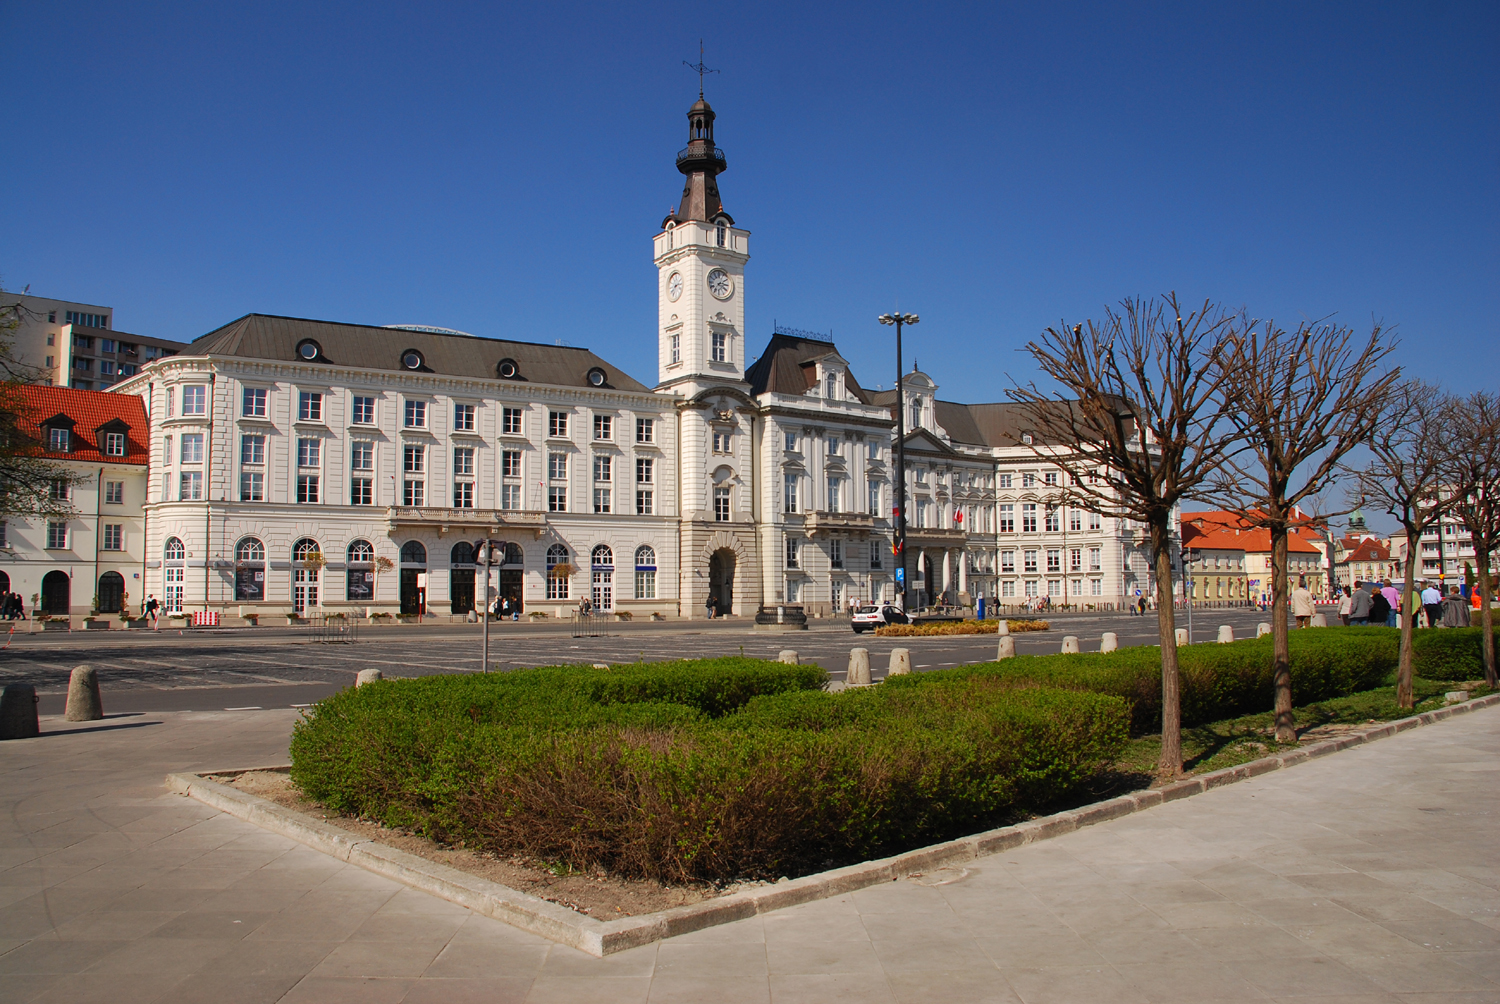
[[1379, 603], [11, 607]]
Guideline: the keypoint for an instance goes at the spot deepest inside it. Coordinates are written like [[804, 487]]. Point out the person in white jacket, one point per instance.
[[1346, 603], [1302, 604]]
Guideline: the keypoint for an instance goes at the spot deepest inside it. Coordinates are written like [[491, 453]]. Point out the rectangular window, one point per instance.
[[1054, 519], [1028, 517], [645, 470], [252, 486], [557, 424], [1054, 560], [309, 406], [557, 500], [1075, 520], [510, 463], [1031, 589], [1029, 560], [83, 364], [557, 466], [510, 422], [361, 491], [721, 505], [463, 494], [1096, 587], [676, 343], [414, 493], [253, 450], [166, 450], [192, 448], [107, 345], [1050, 478], [1007, 518], [171, 400], [793, 591], [874, 497], [364, 410], [791, 442], [1075, 559], [463, 461], [789, 498], [1028, 480], [645, 583], [791, 552], [604, 468], [557, 585], [416, 414], [194, 400], [106, 368], [114, 537], [645, 502], [834, 446], [463, 418], [872, 450], [414, 459], [190, 486], [721, 441], [1007, 589], [833, 494], [645, 430], [1095, 557], [510, 497], [876, 549], [57, 536], [1008, 562], [361, 455], [720, 347], [253, 402], [836, 553], [114, 444], [309, 452], [307, 488], [114, 492], [58, 440], [604, 427], [602, 500]]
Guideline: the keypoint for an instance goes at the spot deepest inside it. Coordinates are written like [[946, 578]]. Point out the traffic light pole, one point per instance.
[[899, 320]]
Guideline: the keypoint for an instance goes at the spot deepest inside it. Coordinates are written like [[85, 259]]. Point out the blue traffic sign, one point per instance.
[[900, 575]]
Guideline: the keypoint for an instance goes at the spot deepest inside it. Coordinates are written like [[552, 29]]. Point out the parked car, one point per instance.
[[869, 618]]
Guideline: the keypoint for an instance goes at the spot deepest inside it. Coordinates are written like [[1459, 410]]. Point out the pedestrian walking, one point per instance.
[[1302, 604], [1455, 609], [708, 605], [1380, 608], [1432, 603], [152, 607], [1345, 604], [1393, 604], [1360, 601]]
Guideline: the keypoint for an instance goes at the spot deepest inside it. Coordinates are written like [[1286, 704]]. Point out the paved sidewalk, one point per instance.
[[1364, 876]]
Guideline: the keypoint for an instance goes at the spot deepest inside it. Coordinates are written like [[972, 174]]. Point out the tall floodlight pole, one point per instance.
[[899, 320]]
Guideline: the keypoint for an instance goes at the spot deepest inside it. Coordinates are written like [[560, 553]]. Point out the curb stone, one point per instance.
[[600, 938]]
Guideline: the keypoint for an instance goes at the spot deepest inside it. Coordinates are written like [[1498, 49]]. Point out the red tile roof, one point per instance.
[[1228, 530], [1368, 550], [90, 410]]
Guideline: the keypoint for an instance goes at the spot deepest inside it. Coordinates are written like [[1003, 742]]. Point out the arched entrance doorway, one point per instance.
[[721, 581], [603, 567], [57, 590], [111, 592], [413, 577], [461, 578], [512, 575]]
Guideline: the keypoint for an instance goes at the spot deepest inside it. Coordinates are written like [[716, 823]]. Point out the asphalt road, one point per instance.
[[255, 668]]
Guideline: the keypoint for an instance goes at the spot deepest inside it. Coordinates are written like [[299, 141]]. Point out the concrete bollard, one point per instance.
[[788, 656], [1318, 620], [84, 703], [900, 662], [1262, 629], [859, 668], [1226, 634], [1007, 648], [1070, 644], [1181, 637], [1109, 642], [18, 718], [1004, 628], [367, 676]]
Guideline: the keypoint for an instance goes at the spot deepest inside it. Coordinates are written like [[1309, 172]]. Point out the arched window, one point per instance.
[[557, 554], [513, 554], [916, 413], [304, 547], [413, 553], [603, 557], [174, 550], [645, 556], [174, 576], [558, 570], [250, 549], [462, 553], [361, 552], [250, 573]]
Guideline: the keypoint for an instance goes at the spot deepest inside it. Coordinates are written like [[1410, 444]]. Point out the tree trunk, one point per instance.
[[1169, 767], [1403, 670], [1486, 618], [1281, 655]]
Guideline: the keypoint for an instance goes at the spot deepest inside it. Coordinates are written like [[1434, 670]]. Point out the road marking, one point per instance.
[[253, 707], [290, 706]]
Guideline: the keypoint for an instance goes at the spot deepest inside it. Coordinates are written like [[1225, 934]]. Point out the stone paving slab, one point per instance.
[[1360, 876]]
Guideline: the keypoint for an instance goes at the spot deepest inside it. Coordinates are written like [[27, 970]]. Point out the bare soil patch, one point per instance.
[[598, 895]]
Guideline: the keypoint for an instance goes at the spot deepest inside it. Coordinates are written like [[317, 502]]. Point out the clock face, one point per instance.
[[719, 284], [674, 285]]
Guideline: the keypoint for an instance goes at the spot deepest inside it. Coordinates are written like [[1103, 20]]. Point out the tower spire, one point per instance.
[[700, 68], [702, 162]]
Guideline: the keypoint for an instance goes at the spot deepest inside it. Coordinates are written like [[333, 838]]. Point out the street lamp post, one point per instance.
[[483, 557], [899, 320]]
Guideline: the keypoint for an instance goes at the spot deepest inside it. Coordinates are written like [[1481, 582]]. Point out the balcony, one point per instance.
[[935, 537], [858, 524], [443, 520], [699, 152]]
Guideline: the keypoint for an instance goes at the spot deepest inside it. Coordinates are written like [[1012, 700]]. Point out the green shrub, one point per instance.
[[1218, 681], [1448, 653], [713, 769]]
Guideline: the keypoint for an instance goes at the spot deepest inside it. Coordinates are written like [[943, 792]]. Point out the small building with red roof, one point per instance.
[[1221, 534], [92, 560]]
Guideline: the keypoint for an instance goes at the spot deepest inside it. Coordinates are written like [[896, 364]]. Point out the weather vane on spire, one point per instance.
[[699, 67]]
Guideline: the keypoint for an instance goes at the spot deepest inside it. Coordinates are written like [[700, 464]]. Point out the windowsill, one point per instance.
[[264, 419], [469, 434]]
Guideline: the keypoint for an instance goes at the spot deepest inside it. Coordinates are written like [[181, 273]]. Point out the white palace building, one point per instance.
[[315, 466]]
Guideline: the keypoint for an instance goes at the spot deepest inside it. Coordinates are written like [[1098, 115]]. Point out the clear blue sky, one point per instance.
[[501, 168]]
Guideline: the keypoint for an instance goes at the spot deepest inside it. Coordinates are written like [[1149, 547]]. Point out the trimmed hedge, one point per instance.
[[700, 770], [958, 627], [1449, 653]]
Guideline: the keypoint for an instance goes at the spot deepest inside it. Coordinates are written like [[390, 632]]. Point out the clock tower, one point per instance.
[[700, 260]]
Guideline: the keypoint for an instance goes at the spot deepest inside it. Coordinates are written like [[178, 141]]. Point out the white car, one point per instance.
[[870, 618]]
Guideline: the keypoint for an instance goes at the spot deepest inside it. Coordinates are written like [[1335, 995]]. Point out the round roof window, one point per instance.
[[411, 359], [508, 369], [596, 377], [309, 349]]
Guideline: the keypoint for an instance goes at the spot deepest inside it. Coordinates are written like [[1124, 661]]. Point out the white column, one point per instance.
[[963, 572], [947, 570]]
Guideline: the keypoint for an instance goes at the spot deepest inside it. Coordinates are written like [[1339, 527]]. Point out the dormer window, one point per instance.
[[831, 386], [916, 413], [114, 444], [58, 440], [719, 234]]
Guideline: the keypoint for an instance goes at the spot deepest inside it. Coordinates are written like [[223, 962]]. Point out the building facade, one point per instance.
[[92, 561], [66, 344]]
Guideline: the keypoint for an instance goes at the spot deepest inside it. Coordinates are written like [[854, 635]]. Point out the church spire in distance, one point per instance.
[[701, 161]]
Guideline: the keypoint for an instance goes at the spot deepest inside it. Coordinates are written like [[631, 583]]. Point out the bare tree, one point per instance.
[[1472, 430], [1139, 427], [1405, 479], [1302, 401]]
